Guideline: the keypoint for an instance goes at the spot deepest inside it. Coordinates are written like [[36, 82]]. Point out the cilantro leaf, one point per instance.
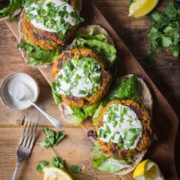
[[75, 169], [52, 138], [41, 165], [164, 33], [58, 162]]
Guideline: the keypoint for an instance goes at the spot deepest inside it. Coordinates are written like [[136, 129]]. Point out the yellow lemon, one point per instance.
[[147, 170], [140, 8], [52, 173]]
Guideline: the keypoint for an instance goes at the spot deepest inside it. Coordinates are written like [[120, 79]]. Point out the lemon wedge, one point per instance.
[[147, 170], [52, 173], [140, 8]]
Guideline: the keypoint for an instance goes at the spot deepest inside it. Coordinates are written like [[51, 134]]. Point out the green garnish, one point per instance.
[[52, 138], [52, 16], [102, 133], [37, 55], [164, 34], [131, 136], [75, 169], [58, 162], [41, 165]]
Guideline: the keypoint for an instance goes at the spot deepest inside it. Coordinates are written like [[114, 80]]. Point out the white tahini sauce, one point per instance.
[[11, 91], [57, 3], [120, 119], [72, 85]]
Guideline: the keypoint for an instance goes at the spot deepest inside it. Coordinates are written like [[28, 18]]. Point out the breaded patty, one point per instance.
[[112, 149], [105, 78], [44, 39]]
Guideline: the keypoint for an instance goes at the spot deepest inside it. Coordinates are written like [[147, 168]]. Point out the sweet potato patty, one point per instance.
[[105, 79], [112, 149], [44, 39]]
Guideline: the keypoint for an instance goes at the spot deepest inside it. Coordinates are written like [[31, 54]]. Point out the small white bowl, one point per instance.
[[9, 82]]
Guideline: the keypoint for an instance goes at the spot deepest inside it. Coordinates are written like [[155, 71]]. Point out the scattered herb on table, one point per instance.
[[52, 138], [56, 162], [164, 33], [75, 169], [41, 165]]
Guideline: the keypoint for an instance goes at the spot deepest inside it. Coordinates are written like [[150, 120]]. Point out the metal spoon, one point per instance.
[[23, 93]]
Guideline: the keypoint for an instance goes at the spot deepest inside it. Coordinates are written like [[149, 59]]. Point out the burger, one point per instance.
[[82, 77], [46, 26], [122, 126], [82, 74]]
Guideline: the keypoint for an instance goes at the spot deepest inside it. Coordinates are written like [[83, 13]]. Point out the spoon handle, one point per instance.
[[54, 121]]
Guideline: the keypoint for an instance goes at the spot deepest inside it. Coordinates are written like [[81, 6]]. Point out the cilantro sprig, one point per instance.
[[52, 138], [56, 162], [75, 169], [164, 34]]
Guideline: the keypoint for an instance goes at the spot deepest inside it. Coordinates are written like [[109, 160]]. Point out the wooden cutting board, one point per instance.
[[165, 121]]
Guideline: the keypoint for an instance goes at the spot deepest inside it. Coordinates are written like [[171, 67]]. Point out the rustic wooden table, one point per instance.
[[164, 71]]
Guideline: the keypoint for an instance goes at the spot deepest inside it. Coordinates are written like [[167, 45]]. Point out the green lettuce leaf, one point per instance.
[[56, 95], [97, 112], [112, 165], [37, 55], [98, 42], [11, 8], [126, 89], [79, 115]]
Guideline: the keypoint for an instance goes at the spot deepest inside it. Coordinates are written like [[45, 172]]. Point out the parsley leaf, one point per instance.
[[41, 165], [75, 169], [164, 33], [52, 138], [58, 162]]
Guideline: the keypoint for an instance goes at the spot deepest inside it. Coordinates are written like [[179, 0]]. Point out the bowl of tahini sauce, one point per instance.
[[9, 87]]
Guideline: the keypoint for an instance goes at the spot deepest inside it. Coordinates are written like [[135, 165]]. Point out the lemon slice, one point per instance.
[[141, 8], [52, 173], [147, 170]]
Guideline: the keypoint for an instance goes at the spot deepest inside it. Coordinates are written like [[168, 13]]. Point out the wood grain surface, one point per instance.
[[164, 71]]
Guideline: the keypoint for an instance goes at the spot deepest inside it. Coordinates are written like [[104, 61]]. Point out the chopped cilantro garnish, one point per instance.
[[52, 138], [164, 34]]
